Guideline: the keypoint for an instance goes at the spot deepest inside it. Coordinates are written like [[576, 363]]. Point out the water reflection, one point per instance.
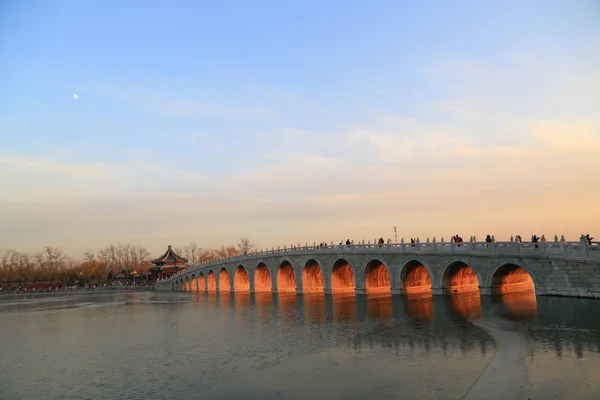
[[223, 299], [287, 306], [419, 307], [241, 299], [314, 308], [563, 327], [343, 306], [519, 306], [464, 305], [379, 306]]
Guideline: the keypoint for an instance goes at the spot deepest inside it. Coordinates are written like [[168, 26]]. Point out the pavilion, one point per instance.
[[166, 265]]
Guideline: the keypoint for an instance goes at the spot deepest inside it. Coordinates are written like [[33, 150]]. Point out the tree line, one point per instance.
[[53, 265]]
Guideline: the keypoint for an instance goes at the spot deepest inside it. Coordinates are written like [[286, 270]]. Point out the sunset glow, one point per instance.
[[437, 125]]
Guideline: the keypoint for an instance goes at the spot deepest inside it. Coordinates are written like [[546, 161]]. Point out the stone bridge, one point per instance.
[[549, 268]]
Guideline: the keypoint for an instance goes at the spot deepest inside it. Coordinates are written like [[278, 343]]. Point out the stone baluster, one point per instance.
[[511, 238]]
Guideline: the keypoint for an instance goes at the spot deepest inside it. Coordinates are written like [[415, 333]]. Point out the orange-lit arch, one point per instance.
[[416, 279], [224, 282], [201, 282], [511, 278], [460, 277], [241, 282], [211, 281], [262, 279], [194, 283], [342, 277], [377, 277], [312, 277], [286, 278]]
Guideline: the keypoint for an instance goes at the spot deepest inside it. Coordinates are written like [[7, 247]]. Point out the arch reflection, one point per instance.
[[419, 306], [344, 307], [464, 305], [519, 305], [380, 306], [314, 307]]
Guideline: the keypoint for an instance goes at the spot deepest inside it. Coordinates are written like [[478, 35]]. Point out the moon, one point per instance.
[[75, 96]]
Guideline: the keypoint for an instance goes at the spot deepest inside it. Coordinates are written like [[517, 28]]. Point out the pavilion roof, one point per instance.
[[169, 258]]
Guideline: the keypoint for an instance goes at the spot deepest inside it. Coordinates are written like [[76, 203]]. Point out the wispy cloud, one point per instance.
[[94, 170]]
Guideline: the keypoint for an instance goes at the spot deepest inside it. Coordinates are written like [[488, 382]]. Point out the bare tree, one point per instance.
[[192, 253], [89, 256], [245, 246], [227, 251]]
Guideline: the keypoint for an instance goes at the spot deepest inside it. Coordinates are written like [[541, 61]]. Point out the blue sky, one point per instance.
[[295, 121]]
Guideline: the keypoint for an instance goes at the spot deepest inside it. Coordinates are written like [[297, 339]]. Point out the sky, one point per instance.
[[296, 121]]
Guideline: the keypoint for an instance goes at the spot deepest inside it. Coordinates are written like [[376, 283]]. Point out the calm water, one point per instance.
[[189, 346]]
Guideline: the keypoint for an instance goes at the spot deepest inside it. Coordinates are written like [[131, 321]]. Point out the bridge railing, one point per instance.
[[569, 249]]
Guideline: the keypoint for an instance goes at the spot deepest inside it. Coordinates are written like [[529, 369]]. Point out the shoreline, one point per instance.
[[75, 292]]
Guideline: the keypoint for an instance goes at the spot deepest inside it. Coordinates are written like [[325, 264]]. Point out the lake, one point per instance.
[[162, 345]]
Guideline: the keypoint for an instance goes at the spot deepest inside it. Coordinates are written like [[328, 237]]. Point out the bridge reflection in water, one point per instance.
[[419, 307], [440, 321]]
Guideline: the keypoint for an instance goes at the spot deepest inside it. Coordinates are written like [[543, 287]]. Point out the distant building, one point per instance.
[[166, 265]]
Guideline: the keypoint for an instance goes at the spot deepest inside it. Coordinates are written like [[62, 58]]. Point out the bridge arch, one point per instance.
[[241, 279], [511, 276], [377, 276], [262, 278], [211, 281], [194, 283], [224, 281], [415, 277], [286, 277], [460, 275], [312, 276], [201, 282], [342, 277]]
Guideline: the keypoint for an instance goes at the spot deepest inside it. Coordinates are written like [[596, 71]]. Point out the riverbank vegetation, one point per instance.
[[112, 262]]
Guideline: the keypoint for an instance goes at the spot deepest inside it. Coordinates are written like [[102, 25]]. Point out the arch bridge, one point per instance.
[[550, 268]]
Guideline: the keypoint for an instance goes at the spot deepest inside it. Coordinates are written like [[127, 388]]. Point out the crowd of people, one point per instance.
[[584, 239]]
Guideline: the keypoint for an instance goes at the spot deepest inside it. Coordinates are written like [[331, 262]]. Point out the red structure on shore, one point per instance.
[[166, 265]]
